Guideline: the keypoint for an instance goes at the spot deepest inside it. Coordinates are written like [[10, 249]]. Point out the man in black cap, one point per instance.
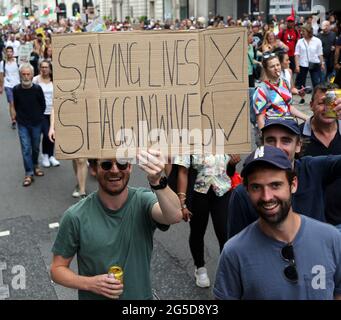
[[283, 255], [314, 174]]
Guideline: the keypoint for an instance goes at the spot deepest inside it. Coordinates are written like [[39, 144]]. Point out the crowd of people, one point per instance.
[[279, 214]]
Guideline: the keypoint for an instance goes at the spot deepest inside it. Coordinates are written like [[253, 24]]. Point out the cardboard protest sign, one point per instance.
[[180, 91], [24, 54]]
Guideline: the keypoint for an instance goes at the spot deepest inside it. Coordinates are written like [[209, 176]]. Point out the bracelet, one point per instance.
[[181, 194], [183, 206]]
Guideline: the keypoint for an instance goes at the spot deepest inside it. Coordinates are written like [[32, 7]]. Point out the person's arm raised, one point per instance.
[[168, 209]]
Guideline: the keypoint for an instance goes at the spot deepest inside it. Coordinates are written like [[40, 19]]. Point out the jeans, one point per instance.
[[29, 137], [316, 77]]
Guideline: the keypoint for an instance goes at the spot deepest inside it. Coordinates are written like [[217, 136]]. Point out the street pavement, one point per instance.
[[27, 231]]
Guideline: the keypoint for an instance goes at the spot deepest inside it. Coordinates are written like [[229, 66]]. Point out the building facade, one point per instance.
[[134, 9], [176, 9]]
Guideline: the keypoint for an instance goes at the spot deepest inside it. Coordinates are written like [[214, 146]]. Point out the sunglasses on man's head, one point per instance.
[[106, 165], [290, 272]]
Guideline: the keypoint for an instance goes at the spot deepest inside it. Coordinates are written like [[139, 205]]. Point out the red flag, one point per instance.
[[292, 11]]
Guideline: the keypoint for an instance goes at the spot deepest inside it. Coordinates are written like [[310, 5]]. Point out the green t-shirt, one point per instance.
[[102, 238]]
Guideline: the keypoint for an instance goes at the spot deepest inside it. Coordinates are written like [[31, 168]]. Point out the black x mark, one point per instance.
[[224, 59]]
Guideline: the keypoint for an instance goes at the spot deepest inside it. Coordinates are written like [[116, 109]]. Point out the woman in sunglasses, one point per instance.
[[273, 97]]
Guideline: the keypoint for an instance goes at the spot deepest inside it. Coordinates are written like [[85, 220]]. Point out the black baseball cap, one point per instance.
[[290, 124], [267, 154]]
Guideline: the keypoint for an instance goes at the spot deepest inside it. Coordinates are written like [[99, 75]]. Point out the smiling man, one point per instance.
[[282, 255], [114, 226], [314, 175], [322, 136]]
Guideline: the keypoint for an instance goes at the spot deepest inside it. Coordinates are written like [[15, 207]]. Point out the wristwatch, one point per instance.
[[162, 184]]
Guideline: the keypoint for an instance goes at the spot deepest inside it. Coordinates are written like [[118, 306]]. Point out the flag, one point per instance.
[[292, 11]]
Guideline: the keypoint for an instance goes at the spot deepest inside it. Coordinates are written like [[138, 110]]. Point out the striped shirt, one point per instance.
[[268, 102]]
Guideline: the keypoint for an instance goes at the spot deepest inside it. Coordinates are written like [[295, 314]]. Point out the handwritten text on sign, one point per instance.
[[181, 91]]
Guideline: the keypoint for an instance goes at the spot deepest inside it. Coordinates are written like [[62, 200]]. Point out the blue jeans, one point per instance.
[[316, 77], [29, 137]]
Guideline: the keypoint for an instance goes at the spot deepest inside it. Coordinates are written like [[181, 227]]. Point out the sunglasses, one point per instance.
[[290, 272], [286, 117], [268, 55], [106, 165]]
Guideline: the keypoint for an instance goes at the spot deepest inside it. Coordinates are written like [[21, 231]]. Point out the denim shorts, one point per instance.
[[9, 94]]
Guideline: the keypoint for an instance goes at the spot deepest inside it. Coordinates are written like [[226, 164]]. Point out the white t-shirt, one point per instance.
[[48, 93], [308, 52], [11, 74]]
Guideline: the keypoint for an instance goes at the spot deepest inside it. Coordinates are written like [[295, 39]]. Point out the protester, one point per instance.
[[289, 36], [283, 255], [273, 98], [44, 80], [2, 47], [115, 226], [322, 136], [14, 43], [257, 35], [314, 174], [210, 195], [253, 64], [28, 111], [337, 62], [286, 72], [328, 39], [9, 78], [308, 58], [270, 43]]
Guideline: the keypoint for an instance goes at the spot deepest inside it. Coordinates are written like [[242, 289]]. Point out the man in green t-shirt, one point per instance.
[[114, 226]]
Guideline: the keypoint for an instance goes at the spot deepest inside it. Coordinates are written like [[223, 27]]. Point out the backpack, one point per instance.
[[4, 67], [173, 182]]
